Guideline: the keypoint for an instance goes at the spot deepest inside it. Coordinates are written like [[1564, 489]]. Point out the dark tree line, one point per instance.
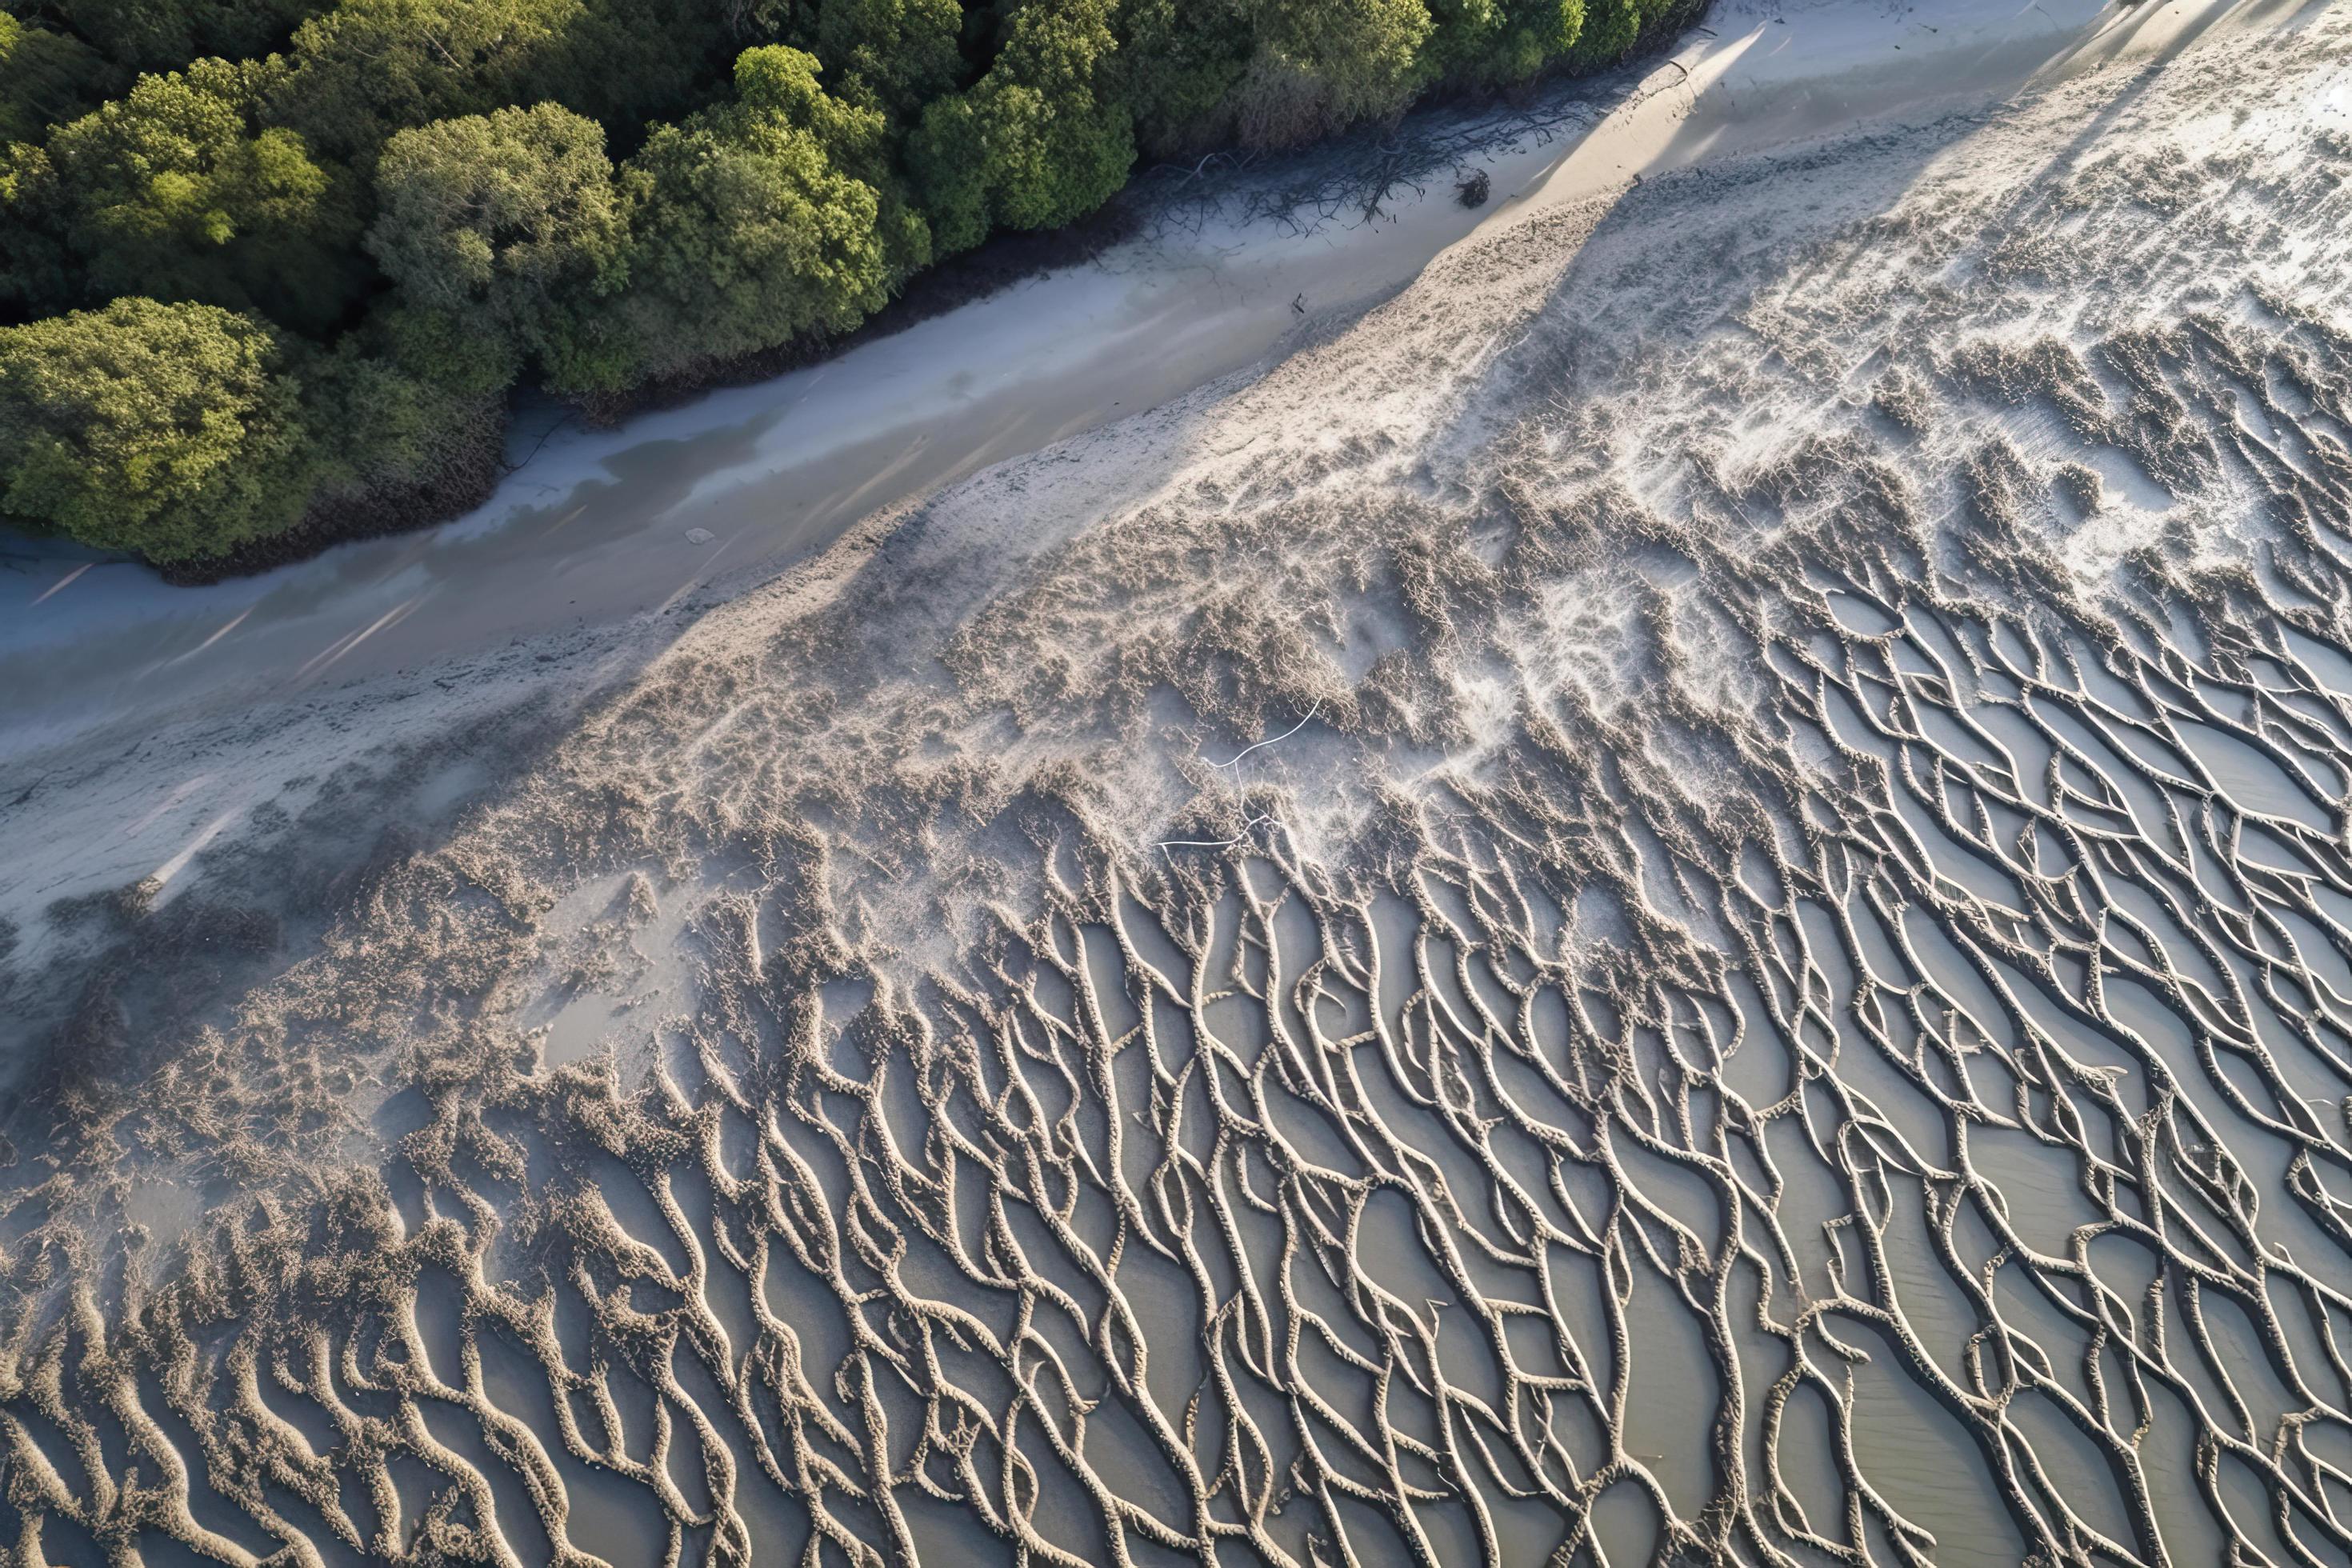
[[261, 260]]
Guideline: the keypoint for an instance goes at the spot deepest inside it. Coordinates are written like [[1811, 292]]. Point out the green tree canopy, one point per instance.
[[1324, 64], [157, 34], [627, 62], [171, 430], [783, 84], [377, 421], [507, 225], [1041, 139], [1500, 42], [176, 192], [1182, 59], [287, 159], [369, 68], [899, 53], [46, 77], [1612, 28], [37, 274], [751, 225]]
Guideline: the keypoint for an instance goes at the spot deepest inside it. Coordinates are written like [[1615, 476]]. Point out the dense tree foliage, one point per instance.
[[157, 34], [1322, 63], [507, 225], [365, 70], [1183, 59], [1493, 42], [750, 224], [1041, 139], [175, 191], [46, 77], [263, 259], [901, 53], [1612, 28], [172, 430]]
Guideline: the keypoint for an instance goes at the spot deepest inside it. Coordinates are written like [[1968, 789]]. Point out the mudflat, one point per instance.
[[1679, 886]]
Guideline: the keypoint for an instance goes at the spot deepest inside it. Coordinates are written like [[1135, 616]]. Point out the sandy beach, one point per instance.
[[1658, 872], [585, 554]]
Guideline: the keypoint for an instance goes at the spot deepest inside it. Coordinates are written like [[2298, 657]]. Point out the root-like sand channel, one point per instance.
[[1685, 898]]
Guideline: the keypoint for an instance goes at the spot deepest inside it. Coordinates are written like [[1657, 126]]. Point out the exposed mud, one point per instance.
[[1685, 898]]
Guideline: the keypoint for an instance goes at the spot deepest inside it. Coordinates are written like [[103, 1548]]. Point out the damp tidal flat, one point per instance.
[[1682, 895]]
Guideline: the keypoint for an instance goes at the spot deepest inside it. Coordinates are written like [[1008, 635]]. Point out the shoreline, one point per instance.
[[587, 565]]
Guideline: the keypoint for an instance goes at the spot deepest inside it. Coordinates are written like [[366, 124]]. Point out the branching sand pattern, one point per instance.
[[1784, 994]]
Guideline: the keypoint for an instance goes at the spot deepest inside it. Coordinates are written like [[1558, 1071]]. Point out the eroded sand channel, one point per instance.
[[1782, 991]]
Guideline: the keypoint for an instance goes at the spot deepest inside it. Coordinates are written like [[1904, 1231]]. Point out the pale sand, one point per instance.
[[191, 705]]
